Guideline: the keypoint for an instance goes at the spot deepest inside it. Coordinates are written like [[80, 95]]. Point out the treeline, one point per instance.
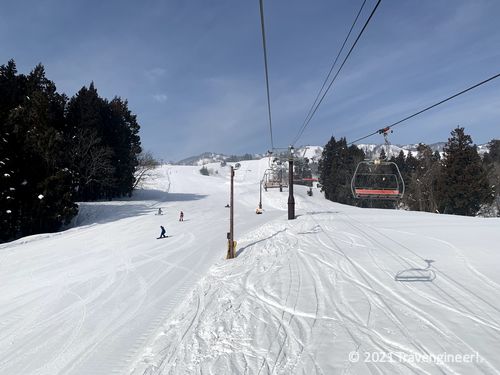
[[236, 158], [460, 183], [55, 151], [336, 168]]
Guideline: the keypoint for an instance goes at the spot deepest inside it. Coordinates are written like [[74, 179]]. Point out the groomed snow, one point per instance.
[[308, 296]]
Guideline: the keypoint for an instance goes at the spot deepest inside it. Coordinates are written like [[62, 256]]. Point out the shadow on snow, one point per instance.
[[238, 252], [162, 196], [143, 202]]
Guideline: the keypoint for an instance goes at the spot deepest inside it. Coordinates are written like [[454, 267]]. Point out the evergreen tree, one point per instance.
[[324, 166], [491, 162], [409, 167], [53, 151], [12, 94], [436, 156], [204, 171], [400, 160], [38, 180], [464, 183], [124, 140], [105, 143], [91, 157], [336, 167], [382, 156]]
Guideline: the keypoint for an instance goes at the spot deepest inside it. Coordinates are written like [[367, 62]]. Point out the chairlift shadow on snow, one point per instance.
[[314, 230], [417, 274], [322, 212]]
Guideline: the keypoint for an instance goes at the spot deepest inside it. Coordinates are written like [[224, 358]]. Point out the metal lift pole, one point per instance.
[[291, 199], [260, 195], [230, 249]]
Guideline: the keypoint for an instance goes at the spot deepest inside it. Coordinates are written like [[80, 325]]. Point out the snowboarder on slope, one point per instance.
[[163, 231], [160, 212], [181, 217]]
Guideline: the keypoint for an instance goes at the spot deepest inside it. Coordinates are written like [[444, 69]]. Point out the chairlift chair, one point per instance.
[[275, 178], [377, 180]]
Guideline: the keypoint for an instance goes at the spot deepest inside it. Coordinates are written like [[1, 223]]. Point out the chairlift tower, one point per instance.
[[291, 199], [230, 234]]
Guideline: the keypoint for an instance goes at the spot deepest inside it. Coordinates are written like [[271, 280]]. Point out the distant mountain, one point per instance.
[[313, 153], [372, 150], [212, 157], [201, 158]]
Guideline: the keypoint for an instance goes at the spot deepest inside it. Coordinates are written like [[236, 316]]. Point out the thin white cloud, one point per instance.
[[155, 73], [160, 98]]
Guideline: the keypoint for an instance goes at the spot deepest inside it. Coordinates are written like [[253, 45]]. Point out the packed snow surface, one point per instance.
[[339, 290]]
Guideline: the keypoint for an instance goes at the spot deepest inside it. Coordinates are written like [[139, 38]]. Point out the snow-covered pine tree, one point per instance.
[[464, 185]]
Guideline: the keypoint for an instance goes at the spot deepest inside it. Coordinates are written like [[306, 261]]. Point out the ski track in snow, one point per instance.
[[301, 295], [305, 293], [88, 299]]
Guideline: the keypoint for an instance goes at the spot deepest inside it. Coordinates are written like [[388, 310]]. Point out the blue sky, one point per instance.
[[193, 71]]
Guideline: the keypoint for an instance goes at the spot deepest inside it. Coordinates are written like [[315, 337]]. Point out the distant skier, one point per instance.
[[181, 217], [163, 231], [160, 212]]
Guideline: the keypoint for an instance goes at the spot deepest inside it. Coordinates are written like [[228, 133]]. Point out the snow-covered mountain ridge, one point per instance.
[[212, 157], [314, 153]]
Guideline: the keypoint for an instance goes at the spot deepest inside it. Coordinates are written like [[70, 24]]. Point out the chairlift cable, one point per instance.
[[266, 70], [380, 131], [301, 131], [331, 69]]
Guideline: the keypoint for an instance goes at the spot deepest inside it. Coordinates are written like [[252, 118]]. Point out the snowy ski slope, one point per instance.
[[316, 295]]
